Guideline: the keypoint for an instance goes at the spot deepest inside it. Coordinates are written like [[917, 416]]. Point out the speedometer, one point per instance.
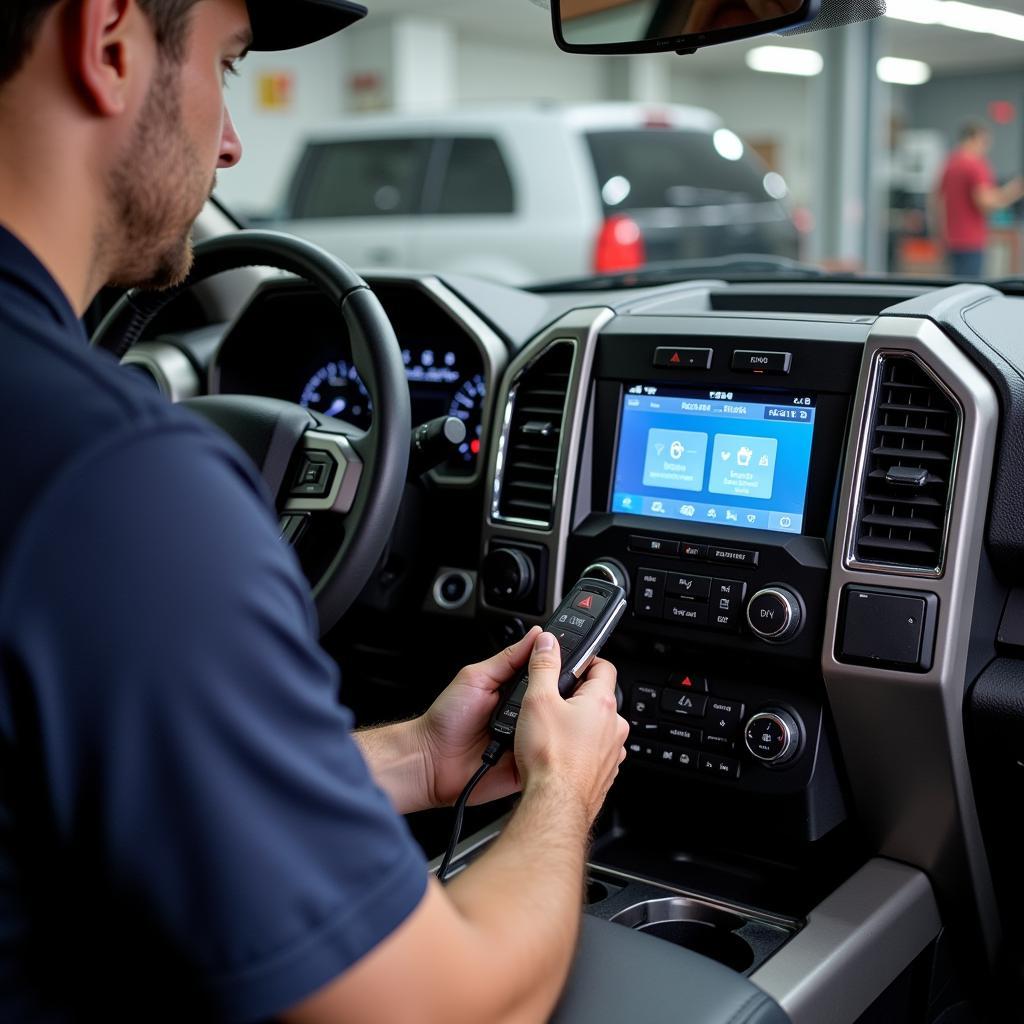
[[467, 405], [336, 390]]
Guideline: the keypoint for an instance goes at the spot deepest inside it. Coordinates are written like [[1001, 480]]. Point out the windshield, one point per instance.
[[461, 140]]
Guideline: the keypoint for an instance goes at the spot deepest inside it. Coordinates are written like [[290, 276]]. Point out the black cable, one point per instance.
[[492, 755]]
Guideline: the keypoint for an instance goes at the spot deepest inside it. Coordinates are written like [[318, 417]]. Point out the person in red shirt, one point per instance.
[[967, 194]]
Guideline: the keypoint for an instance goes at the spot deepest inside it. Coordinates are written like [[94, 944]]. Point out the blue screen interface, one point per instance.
[[729, 458]]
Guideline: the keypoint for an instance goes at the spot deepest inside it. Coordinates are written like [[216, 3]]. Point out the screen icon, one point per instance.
[[712, 513], [687, 510], [785, 522], [657, 506], [731, 516], [751, 518]]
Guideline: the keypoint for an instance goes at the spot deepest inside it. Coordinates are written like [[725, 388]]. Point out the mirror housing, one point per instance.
[[659, 26]]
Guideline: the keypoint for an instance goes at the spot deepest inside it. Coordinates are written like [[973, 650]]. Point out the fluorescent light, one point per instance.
[[728, 145], [955, 14], [785, 60], [899, 71]]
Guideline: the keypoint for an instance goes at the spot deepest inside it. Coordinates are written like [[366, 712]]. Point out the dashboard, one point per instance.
[[292, 344], [812, 495]]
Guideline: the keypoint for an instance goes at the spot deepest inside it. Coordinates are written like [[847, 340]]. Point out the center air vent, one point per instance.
[[530, 458], [908, 469]]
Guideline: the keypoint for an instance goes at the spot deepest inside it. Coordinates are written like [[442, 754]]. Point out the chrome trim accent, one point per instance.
[[786, 603], [855, 943], [506, 426], [921, 810], [607, 571], [440, 600], [581, 326], [347, 475], [791, 740], [584, 660], [866, 429], [175, 376]]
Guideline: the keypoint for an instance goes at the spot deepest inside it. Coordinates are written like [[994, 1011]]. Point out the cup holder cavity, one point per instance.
[[595, 892], [696, 926]]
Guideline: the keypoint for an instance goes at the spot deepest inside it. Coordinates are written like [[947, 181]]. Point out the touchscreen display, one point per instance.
[[732, 458]]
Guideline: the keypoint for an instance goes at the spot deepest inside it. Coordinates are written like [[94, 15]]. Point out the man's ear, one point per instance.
[[107, 40]]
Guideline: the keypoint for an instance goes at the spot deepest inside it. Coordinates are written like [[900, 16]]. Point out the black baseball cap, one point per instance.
[[286, 24]]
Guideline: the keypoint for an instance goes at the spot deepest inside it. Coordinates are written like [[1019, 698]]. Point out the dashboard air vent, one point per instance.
[[530, 463], [908, 469]]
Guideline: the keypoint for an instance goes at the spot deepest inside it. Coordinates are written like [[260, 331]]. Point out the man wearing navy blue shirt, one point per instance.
[[188, 829]]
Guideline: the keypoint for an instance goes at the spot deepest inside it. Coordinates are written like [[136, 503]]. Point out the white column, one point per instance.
[[401, 64], [645, 78]]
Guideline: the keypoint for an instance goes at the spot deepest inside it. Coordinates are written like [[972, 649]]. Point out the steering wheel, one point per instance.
[[328, 478]]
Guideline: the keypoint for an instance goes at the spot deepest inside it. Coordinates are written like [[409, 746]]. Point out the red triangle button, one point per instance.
[[585, 602], [674, 358]]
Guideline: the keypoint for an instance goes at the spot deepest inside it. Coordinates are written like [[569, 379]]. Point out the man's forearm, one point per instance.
[[524, 897], [397, 760]]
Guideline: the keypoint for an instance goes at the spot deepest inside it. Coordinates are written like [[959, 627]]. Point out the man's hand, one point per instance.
[[453, 730], [574, 745]]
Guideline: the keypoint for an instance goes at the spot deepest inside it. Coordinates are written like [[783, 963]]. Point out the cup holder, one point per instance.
[[595, 892], [697, 926]]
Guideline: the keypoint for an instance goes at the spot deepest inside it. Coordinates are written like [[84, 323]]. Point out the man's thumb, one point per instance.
[[545, 664]]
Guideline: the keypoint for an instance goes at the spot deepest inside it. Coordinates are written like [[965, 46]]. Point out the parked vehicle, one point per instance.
[[534, 192]]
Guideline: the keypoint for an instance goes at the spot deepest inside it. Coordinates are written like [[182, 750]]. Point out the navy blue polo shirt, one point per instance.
[[187, 829]]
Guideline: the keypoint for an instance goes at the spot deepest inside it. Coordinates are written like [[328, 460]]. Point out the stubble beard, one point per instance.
[[156, 191]]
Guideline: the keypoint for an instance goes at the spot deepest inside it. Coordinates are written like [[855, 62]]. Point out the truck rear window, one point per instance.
[[644, 168], [361, 178]]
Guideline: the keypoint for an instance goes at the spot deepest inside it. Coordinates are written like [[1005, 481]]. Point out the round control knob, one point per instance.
[[772, 736], [508, 575], [609, 570], [775, 614]]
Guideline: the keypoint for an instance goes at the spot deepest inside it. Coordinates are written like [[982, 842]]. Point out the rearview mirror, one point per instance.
[[652, 26]]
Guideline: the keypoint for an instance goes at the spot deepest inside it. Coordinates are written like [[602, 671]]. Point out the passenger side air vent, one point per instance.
[[529, 466], [908, 468]]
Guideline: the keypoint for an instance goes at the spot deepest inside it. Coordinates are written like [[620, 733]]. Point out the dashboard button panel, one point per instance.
[[672, 358], [751, 361]]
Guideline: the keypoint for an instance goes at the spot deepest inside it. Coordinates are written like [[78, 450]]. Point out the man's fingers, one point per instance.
[[545, 665], [501, 667], [600, 679]]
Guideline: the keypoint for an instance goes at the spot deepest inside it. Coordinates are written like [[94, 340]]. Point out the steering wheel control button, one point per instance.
[[696, 588], [775, 614], [687, 682], [689, 613], [888, 628], [644, 701], [772, 736], [733, 556], [685, 705], [653, 546], [315, 476], [747, 361], [683, 358]]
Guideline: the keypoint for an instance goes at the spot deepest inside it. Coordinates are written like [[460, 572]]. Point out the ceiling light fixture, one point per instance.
[[900, 71], [963, 16], [785, 60]]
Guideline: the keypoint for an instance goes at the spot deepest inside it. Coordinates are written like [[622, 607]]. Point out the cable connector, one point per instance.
[[495, 749]]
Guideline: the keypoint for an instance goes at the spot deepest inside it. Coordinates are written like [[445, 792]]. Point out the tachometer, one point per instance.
[[467, 404], [336, 390]]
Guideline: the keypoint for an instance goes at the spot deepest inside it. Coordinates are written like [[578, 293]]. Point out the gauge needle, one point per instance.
[[338, 405]]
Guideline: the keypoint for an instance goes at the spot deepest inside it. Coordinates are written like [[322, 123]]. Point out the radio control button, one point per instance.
[[685, 705], [696, 588], [653, 545], [689, 613]]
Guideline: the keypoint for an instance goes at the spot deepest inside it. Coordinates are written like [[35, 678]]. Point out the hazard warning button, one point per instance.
[[684, 358], [592, 604], [687, 681]]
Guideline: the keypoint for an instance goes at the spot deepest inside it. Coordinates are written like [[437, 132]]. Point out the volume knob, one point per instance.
[[776, 614]]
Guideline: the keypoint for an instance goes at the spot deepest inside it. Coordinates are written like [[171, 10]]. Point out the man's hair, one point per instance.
[[972, 130], [20, 21]]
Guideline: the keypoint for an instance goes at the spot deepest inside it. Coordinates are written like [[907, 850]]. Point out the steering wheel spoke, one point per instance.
[[335, 485]]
